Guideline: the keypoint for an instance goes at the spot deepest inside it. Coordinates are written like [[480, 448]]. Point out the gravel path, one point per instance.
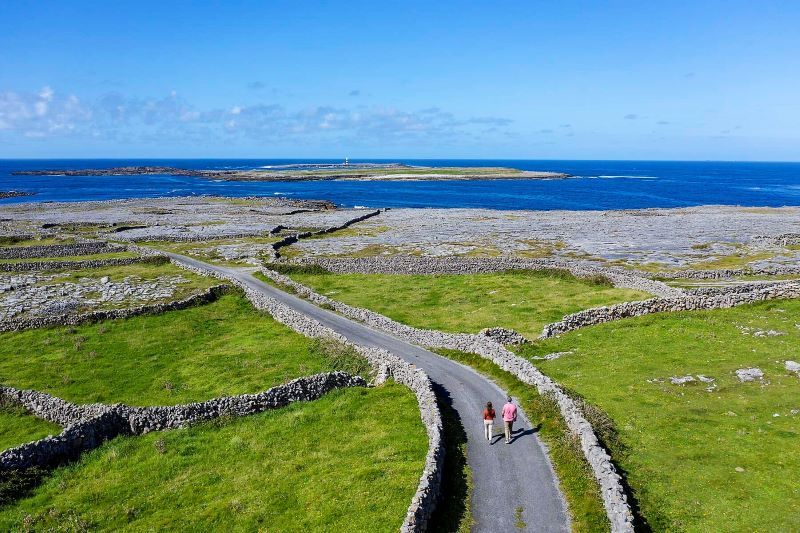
[[507, 478]]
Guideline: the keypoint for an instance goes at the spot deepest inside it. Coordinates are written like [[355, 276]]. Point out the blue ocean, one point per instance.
[[597, 185]]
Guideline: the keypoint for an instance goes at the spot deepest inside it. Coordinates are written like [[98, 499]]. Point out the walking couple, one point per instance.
[[509, 414]]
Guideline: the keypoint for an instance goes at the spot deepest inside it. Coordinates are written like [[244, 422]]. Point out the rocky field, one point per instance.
[[93, 310]]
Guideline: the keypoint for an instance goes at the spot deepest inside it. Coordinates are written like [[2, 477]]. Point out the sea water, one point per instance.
[[596, 185]]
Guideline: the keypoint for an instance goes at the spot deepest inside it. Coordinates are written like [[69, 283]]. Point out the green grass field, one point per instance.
[[194, 354], [524, 301], [17, 427], [697, 459], [347, 462]]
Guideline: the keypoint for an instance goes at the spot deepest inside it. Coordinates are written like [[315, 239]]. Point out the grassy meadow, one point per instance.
[[699, 456], [17, 426], [317, 466], [524, 301], [222, 348]]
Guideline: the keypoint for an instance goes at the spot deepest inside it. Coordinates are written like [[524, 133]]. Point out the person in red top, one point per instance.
[[488, 422], [509, 417]]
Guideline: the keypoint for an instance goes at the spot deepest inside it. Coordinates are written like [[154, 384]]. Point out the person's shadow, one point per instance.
[[521, 432]]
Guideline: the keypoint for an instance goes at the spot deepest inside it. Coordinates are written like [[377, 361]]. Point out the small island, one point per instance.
[[14, 194], [314, 172]]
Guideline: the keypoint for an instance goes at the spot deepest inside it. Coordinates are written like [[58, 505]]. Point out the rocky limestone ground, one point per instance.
[[37, 295], [672, 237], [667, 238], [170, 218]]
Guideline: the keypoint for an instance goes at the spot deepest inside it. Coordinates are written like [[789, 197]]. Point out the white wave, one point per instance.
[[631, 177]]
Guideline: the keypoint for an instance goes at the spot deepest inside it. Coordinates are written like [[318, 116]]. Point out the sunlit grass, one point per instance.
[[524, 301], [349, 461], [697, 459], [17, 426], [194, 354]]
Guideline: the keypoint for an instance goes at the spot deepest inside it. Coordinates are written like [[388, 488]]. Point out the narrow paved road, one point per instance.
[[513, 484]]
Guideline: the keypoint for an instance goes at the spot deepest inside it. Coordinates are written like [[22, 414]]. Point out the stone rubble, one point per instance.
[[64, 314], [551, 356], [669, 236], [749, 374], [45, 299], [503, 335], [768, 333]]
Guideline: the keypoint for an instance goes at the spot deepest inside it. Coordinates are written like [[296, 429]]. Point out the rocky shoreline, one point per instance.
[[368, 173]]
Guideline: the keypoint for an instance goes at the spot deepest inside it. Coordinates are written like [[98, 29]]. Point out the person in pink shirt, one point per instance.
[[509, 417]]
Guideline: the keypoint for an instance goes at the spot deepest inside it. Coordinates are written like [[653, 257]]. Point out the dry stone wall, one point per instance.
[[614, 498], [28, 266], [88, 426], [785, 239], [599, 315], [735, 288], [197, 238], [291, 239], [58, 250], [772, 270]]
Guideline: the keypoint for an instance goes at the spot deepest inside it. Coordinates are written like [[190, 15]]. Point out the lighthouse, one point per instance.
[[346, 161]]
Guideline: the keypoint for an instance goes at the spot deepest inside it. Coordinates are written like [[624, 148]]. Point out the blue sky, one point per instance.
[[516, 79]]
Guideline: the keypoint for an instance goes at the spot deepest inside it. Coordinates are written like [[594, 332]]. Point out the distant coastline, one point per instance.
[[359, 172]]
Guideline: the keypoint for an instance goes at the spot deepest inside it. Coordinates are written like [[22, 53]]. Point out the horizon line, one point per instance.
[[367, 159]]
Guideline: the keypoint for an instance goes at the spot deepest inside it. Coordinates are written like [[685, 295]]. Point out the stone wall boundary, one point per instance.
[[291, 239], [42, 266], [775, 270], [744, 287], [198, 238], [687, 302], [612, 492], [88, 426], [205, 297], [386, 366], [58, 250], [784, 239]]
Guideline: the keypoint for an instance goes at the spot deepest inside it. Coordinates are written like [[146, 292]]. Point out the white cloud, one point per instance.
[[46, 94], [173, 119]]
